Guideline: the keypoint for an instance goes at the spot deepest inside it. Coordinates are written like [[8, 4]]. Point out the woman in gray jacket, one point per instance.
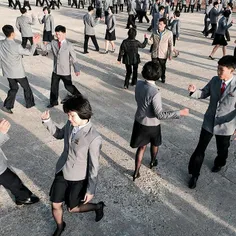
[[149, 112]]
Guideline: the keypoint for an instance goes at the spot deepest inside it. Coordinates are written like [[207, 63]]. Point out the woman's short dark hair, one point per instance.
[[228, 61], [226, 13], [90, 8], [177, 13], [7, 30], [215, 4], [151, 71], [23, 10], [60, 28], [80, 105], [132, 33], [48, 9]]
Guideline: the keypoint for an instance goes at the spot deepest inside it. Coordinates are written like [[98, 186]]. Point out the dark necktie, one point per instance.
[[223, 86], [59, 44]]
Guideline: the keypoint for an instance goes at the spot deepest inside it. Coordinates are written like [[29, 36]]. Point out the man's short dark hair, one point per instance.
[[23, 10], [230, 4], [215, 4], [80, 105], [7, 30], [132, 33], [60, 28], [48, 9], [177, 13], [161, 8], [210, 2], [151, 71], [90, 8], [228, 61], [164, 20]]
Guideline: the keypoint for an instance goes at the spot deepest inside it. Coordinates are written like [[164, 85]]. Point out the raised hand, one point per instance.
[[36, 38], [45, 115], [4, 126], [192, 88], [184, 112]]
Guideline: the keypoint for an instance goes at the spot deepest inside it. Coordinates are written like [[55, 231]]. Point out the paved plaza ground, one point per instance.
[[159, 203]]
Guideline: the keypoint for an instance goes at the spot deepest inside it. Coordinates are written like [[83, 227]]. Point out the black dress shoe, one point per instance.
[[85, 52], [192, 182], [31, 200], [99, 212], [163, 81], [59, 230], [9, 111], [216, 169], [51, 105], [30, 106], [136, 176], [153, 163]]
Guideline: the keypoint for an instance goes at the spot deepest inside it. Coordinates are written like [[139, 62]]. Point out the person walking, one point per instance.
[[129, 55], [110, 36]]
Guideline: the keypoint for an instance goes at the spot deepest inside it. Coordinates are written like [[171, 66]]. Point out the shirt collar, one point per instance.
[[78, 128], [227, 82]]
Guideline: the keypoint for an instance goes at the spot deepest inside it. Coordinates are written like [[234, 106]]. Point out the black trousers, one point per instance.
[[55, 87], [131, 21], [98, 12], [196, 160], [190, 7], [27, 4], [24, 43], [121, 7], [53, 3], [212, 30], [10, 181], [94, 40], [11, 95], [74, 3], [17, 4], [178, 5], [198, 7], [82, 3], [115, 6], [206, 25], [144, 14], [128, 74], [162, 63], [183, 7], [11, 3], [42, 3]]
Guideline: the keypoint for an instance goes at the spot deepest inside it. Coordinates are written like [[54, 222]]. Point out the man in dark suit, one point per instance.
[[8, 179], [219, 119], [64, 56]]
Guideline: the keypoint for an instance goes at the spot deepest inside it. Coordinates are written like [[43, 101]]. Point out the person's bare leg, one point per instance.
[[106, 45], [224, 50], [214, 50]]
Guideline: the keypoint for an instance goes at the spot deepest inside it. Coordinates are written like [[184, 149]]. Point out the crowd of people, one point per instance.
[[77, 168]]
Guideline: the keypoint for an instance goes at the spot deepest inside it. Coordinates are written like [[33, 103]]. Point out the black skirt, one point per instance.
[[110, 36], [47, 36], [219, 39], [143, 135], [70, 192]]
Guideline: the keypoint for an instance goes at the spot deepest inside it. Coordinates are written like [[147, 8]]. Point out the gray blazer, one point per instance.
[[23, 24], [48, 22], [3, 159], [11, 58], [63, 58], [149, 105], [89, 24], [218, 117], [80, 157]]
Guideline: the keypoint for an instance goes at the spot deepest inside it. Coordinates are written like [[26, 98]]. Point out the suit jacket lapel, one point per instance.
[[82, 132]]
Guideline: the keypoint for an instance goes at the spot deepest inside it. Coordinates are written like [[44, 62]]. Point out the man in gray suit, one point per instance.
[[12, 67], [23, 24], [8, 179], [63, 57], [77, 168], [219, 119], [89, 32]]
